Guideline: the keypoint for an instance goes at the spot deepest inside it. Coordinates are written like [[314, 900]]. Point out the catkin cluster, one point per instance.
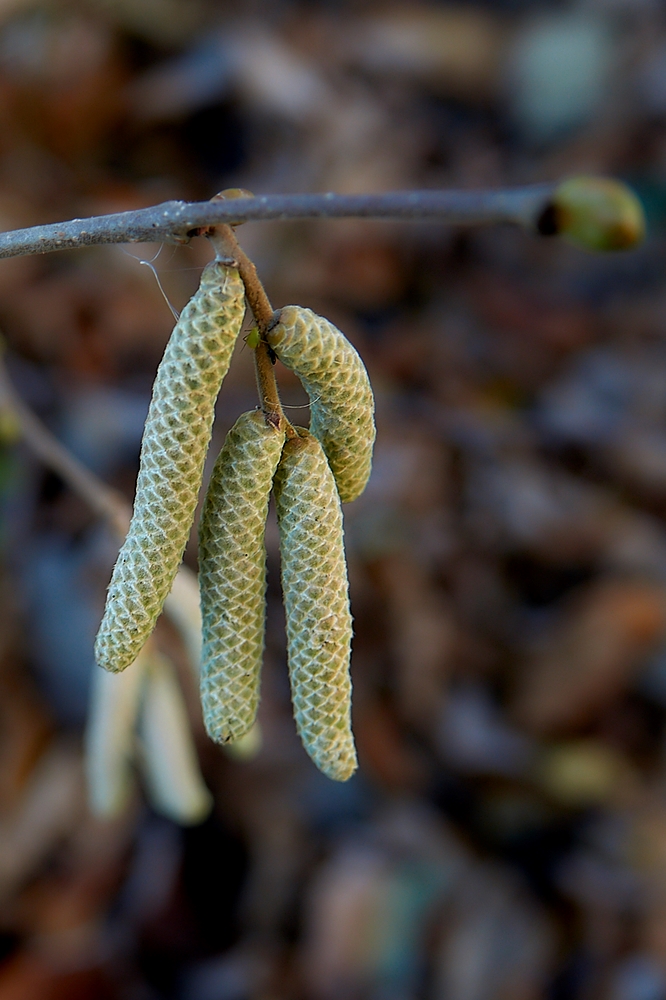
[[311, 473]]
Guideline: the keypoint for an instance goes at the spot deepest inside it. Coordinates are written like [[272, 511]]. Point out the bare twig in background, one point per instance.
[[174, 221], [182, 604], [104, 500]]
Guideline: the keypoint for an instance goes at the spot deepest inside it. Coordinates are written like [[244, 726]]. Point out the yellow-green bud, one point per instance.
[[253, 338], [596, 213]]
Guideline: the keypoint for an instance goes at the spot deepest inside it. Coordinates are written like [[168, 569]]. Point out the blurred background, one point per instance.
[[505, 836]]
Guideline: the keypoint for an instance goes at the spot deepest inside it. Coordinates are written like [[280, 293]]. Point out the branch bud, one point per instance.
[[596, 213]]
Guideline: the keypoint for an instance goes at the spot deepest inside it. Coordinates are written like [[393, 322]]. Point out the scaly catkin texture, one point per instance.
[[173, 451], [341, 402], [232, 575], [316, 600]]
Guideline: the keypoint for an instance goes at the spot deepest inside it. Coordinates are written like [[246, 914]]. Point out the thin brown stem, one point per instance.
[[267, 388], [227, 247], [104, 500]]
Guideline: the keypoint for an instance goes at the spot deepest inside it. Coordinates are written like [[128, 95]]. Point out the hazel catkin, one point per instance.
[[336, 381], [173, 451], [232, 575], [316, 600]]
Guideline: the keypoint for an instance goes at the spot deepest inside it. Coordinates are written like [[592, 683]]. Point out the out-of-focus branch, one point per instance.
[[182, 604], [104, 500], [176, 221]]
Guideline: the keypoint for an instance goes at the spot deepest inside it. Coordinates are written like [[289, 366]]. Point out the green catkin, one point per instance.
[[232, 575], [173, 451], [174, 785], [341, 401], [315, 590]]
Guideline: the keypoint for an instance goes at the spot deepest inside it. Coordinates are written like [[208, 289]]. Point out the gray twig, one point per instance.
[[104, 500], [176, 221]]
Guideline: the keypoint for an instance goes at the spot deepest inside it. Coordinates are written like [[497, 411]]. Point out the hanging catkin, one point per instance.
[[315, 590], [232, 575], [173, 451], [341, 401]]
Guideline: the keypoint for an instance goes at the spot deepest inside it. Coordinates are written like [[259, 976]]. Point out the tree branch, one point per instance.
[[176, 221], [104, 500]]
